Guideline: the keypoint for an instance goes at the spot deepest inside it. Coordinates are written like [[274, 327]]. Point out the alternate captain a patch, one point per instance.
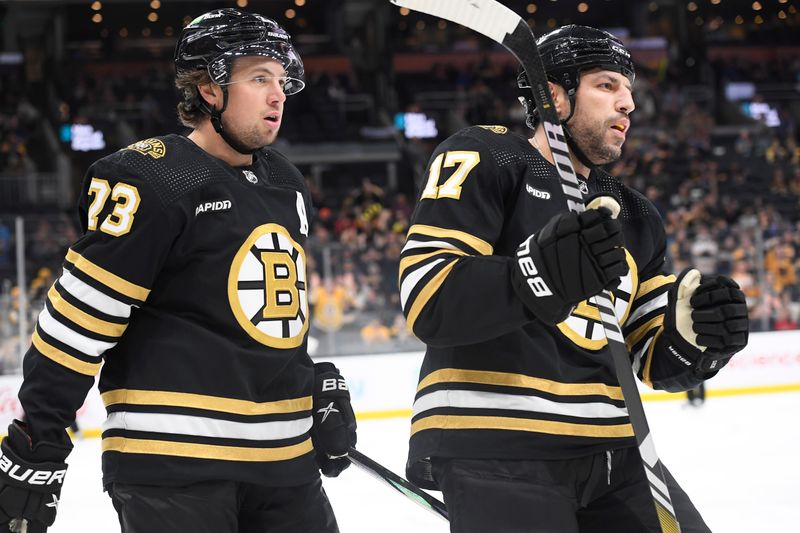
[[153, 147], [267, 288]]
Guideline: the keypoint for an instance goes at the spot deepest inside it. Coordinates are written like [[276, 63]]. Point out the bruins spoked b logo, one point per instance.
[[267, 287]]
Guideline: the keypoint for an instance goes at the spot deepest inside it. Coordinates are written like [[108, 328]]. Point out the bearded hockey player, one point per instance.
[[519, 418], [189, 287]]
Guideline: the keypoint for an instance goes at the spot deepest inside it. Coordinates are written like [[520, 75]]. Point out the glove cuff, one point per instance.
[[45, 476], [325, 366]]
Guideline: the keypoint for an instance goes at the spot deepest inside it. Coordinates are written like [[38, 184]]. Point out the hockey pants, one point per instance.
[[223, 507], [602, 493]]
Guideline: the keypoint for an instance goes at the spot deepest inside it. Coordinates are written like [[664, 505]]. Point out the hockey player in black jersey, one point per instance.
[[518, 417], [189, 288]]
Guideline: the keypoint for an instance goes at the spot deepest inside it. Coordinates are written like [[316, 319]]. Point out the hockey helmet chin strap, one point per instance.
[[532, 121], [571, 142], [216, 121]]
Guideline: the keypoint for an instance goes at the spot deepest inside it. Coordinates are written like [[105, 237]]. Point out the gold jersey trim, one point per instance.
[[209, 403], [652, 284], [206, 451], [411, 260], [427, 292], [451, 422], [451, 375], [112, 281], [649, 360], [472, 241], [638, 334], [83, 319], [63, 358]]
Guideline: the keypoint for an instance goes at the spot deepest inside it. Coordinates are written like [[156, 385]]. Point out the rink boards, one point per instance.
[[383, 386]]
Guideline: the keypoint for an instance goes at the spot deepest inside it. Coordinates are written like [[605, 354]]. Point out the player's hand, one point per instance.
[[572, 258], [334, 429], [706, 321], [31, 486]]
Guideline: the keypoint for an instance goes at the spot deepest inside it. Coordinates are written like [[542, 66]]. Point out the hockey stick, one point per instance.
[[18, 525], [494, 20], [412, 492]]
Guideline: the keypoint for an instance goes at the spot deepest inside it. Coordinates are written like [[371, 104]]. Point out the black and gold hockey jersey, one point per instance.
[[188, 289], [495, 382]]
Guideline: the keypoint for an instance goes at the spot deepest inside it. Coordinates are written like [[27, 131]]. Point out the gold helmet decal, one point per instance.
[[267, 288]]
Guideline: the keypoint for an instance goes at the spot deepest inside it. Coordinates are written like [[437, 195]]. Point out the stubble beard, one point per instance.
[[252, 138], [590, 137]]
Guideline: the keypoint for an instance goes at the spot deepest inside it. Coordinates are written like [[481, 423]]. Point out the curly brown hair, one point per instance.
[[190, 113]]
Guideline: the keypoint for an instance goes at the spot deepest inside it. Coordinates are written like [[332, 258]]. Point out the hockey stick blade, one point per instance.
[[404, 487], [502, 25]]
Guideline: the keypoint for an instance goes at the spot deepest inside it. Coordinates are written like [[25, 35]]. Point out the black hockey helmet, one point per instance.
[[568, 51], [213, 40]]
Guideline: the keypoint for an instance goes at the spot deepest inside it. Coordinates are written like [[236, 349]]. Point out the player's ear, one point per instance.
[[559, 99], [211, 93]]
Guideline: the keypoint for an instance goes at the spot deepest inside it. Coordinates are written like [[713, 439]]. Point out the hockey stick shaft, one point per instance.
[[404, 487], [502, 25]]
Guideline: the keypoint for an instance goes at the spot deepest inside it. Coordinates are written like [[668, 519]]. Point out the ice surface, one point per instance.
[[737, 457]]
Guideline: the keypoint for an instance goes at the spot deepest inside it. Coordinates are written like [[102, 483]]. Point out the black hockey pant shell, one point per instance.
[[223, 507], [602, 493]]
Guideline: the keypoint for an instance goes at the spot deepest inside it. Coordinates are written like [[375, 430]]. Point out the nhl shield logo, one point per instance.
[[267, 288]]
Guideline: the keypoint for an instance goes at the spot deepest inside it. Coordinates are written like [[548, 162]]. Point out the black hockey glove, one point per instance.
[[334, 430], [706, 321], [572, 258], [30, 487]]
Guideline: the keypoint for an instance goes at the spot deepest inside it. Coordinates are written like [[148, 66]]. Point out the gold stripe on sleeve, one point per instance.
[[412, 260], [206, 451], [63, 358], [652, 284], [443, 233], [638, 334], [83, 319], [108, 279], [211, 403], [551, 427], [649, 360], [427, 292], [451, 375]]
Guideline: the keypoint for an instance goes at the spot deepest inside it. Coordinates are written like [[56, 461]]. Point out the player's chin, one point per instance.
[[270, 137]]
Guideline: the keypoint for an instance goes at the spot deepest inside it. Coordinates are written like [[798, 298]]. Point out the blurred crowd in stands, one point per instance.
[[730, 198]]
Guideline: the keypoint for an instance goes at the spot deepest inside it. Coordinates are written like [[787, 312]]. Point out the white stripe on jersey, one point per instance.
[[207, 427], [72, 338], [660, 301], [436, 245], [637, 357], [497, 400], [412, 279], [91, 296]]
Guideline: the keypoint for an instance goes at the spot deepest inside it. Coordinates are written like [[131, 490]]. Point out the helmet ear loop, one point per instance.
[[212, 112], [216, 114]]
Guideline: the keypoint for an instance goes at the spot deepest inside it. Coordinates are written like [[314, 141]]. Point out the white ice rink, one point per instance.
[[737, 457]]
